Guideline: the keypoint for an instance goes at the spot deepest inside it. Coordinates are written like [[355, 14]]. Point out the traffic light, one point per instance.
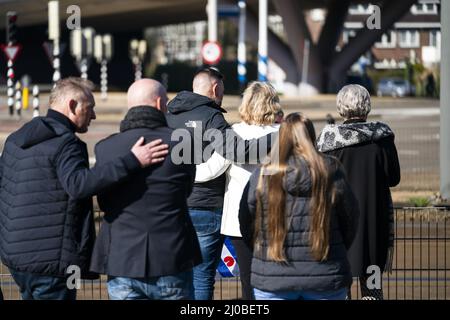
[[11, 27]]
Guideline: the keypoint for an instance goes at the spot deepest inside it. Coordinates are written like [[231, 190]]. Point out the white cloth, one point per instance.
[[236, 176]]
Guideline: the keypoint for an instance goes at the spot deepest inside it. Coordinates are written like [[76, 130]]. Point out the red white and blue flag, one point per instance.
[[228, 266]]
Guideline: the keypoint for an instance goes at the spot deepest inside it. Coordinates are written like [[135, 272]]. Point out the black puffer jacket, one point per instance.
[[197, 114], [303, 272], [46, 214], [204, 120]]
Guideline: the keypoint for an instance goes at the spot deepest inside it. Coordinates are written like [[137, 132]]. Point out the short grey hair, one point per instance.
[[78, 88], [353, 101]]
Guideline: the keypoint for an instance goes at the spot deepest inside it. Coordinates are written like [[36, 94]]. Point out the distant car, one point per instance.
[[395, 88]]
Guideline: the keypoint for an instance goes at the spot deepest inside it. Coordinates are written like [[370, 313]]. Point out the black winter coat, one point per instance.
[[371, 167], [146, 231], [199, 114], [46, 213], [302, 271]]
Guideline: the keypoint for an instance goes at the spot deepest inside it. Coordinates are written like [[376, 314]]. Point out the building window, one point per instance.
[[435, 39], [424, 8], [409, 39], [387, 40]]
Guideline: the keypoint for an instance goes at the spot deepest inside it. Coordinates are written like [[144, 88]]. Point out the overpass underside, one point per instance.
[[327, 68]]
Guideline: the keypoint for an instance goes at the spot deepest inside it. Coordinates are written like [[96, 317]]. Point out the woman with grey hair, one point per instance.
[[369, 156]]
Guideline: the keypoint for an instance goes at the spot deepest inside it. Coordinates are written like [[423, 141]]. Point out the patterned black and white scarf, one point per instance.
[[337, 136]]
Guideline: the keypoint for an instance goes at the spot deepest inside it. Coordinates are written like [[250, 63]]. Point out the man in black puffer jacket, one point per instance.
[[46, 213]]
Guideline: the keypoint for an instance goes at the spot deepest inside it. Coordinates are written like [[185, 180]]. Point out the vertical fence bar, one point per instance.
[[445, 256], [413, 221], [396, 263], [404, 253], [420, 260], [437, 241], [429, 253]]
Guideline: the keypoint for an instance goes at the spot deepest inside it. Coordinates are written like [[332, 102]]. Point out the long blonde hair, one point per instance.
[[296, 138]]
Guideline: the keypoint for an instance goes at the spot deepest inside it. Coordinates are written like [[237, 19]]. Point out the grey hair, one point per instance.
[[76, 87], [353, 101]]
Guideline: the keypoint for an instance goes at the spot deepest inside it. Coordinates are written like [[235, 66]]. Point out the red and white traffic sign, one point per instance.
[[11, 51], [211, 52]]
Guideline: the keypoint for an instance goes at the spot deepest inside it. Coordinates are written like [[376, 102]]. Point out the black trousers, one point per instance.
[[1, 295], [244, 259]]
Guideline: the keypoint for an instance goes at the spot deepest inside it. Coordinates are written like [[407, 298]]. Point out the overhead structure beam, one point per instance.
[[391, 11]]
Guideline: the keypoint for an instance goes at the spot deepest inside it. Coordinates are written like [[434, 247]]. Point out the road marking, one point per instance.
[[409, 152], [406, 112], [425, 137]]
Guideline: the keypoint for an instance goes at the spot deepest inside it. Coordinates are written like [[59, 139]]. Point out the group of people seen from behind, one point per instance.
[[305, 213]]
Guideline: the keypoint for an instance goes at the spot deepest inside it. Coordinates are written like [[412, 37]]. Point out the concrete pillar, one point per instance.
[[298, 36], [445, 101], [332, 28]]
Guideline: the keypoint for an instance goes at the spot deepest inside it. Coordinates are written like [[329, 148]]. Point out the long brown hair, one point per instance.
[[296, 138]]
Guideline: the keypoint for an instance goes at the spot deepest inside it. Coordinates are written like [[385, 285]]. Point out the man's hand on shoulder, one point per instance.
[[150, 153]]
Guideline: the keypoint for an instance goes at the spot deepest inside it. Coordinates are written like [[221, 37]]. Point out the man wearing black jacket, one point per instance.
[[201, 111], [147, 244], [46, 211]]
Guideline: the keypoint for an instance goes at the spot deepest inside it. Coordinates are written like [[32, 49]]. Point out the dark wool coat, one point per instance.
[[372, 166], [147, 231]]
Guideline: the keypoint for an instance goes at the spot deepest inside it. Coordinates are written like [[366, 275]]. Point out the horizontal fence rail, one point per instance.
[[421, 266]]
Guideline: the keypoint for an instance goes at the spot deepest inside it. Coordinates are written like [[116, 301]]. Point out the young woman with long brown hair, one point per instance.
[[301, 216]]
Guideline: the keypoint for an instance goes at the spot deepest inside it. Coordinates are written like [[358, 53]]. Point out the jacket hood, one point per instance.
[[38, 130], [186, 101]]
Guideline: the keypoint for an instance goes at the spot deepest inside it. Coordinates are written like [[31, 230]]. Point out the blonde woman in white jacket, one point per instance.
[[260, 112]]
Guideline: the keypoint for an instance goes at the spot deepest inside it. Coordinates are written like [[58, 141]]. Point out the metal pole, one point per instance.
[[242, 54], [18, 99], [212, 20], [104, 79], [35, 101], [262, 42], [11, 18], [445, 101], [137, 70], [53, 34], [10, 85], [84, 68], [305, 66]]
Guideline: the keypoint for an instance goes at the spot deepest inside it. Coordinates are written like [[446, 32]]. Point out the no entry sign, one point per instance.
[[211, 52]]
